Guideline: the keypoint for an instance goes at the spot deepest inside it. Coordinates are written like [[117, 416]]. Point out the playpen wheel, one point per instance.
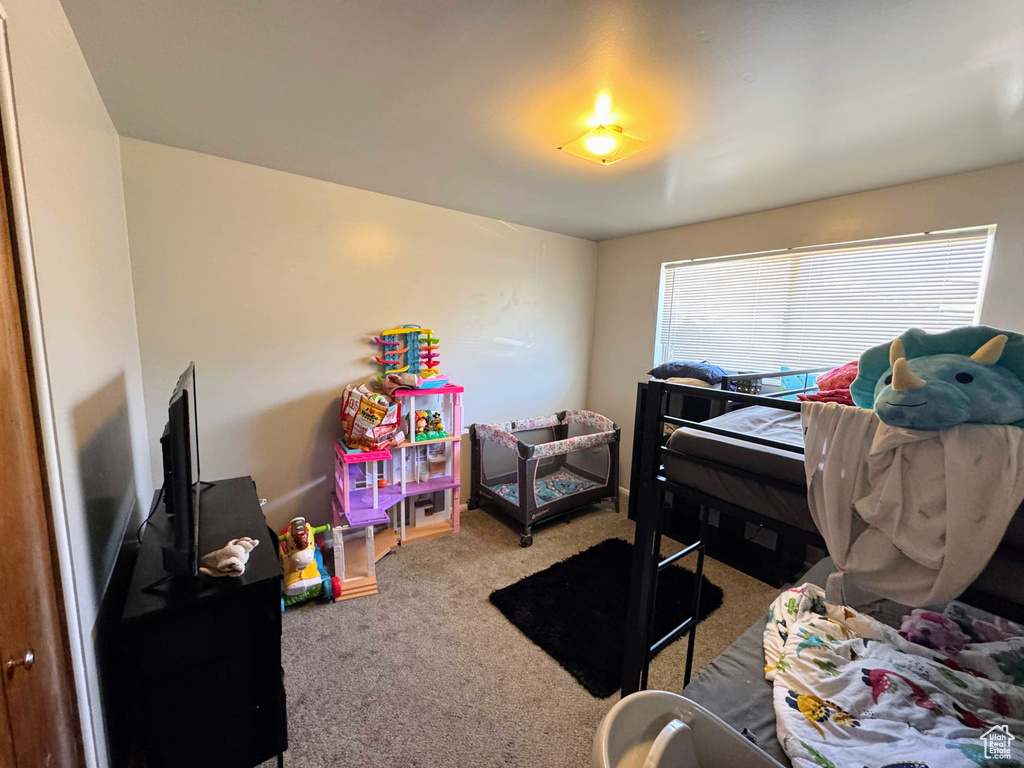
[[525, 539]]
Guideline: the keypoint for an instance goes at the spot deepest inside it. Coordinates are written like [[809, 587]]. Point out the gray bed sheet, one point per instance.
[[787, 506], [733, 685]]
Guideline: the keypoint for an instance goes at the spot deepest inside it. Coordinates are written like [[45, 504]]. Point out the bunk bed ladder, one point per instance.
[[639, 650]]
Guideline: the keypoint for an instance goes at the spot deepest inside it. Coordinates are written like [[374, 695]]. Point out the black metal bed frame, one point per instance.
[[648, 486]]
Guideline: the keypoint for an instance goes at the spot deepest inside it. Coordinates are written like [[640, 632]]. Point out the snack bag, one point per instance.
[[369, 420]]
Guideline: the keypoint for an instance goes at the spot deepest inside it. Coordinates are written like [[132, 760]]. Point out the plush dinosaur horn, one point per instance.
[[896, 351], [904, 379], [991, 350]]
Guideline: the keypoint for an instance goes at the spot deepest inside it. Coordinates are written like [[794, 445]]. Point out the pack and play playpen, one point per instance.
[[534, 469]]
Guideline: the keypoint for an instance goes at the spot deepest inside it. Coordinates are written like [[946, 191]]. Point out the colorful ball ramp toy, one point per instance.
[[411, 349]]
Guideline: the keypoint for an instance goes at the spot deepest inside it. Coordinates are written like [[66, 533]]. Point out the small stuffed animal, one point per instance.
[[933, 630], [936, 381], [230, 559]]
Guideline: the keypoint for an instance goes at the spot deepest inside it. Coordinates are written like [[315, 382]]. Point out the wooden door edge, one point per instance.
[[16, 206]]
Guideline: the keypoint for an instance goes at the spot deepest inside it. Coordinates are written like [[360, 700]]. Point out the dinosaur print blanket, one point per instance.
[[850, 692]]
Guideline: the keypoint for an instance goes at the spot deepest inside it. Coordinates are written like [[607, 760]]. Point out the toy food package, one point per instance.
[[370, 421]]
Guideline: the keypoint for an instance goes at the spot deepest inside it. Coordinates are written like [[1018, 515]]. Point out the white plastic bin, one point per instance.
[[658, 729]]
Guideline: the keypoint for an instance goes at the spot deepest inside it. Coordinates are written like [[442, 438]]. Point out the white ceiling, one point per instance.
[[749, 104]]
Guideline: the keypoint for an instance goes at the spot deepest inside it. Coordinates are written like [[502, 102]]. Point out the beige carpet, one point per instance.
[[428, 673]]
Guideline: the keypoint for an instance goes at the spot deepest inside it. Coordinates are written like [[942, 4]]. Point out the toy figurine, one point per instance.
[[305, 576], [429, 426], [434, 423]]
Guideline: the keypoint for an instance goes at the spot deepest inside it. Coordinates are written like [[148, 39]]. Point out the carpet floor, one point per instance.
[[429, 673], [577, 610]]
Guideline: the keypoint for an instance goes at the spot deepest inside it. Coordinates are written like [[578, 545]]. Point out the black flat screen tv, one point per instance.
[[182, 486]]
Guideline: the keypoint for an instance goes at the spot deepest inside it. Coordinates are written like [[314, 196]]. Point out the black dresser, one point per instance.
[[202, 683]]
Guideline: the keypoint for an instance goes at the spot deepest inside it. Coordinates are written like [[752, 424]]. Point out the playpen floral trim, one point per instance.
[[591, 419], [501, 431], [500, 434], [578, 443], [537, 422]]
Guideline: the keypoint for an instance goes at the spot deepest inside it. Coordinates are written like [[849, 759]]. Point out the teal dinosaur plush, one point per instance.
[[936, 381]]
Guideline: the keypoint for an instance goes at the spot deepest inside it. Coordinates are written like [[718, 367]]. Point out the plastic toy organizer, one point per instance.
[[535, 468], [413, 488]]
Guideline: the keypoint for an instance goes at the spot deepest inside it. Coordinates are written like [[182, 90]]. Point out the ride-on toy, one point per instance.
[[305, 577]]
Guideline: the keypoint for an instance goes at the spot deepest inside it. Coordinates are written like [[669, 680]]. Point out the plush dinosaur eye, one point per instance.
[[888, 379], [964, 378]]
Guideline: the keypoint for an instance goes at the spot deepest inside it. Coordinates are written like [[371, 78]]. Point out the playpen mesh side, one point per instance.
[[499, 466], [567, 474], [591, 461]]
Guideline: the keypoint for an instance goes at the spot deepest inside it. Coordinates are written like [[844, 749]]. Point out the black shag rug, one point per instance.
[[576, 610]]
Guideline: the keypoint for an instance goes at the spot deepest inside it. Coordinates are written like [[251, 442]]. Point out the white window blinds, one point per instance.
[[818, 306]]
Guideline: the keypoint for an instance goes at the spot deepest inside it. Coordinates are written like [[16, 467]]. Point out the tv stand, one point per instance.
[[201, 657], [169, 583], [163, 585]]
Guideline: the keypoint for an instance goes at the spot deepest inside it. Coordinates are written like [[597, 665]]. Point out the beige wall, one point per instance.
[[274, 283], [629, 268], [72, 171]]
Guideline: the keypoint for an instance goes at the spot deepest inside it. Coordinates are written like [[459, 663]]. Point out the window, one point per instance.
[[821, 305]]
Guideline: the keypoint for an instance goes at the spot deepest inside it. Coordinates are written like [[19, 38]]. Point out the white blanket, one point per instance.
[[850, 692], [909, 515]]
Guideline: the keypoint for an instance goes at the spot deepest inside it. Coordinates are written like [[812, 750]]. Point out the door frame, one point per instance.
[[25, 256]]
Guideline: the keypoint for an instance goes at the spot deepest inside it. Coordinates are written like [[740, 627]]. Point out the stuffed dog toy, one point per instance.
[[230, 559]]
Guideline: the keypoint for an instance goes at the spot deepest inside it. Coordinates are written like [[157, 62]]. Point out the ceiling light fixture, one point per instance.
[[603, 141], [605, 144]]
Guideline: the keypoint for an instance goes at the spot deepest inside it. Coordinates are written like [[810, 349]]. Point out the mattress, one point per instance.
[[785, 504], [788, 506], [1002, 580], [547, 489], [733, 687]]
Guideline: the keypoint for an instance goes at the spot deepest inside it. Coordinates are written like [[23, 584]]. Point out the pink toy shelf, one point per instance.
[[355, 561], [413, 488]]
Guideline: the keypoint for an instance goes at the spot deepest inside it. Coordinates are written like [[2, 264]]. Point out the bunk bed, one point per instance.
[[746, 500], [698, 448]]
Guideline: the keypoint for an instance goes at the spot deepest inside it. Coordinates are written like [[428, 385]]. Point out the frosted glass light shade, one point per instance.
[[604, 145]]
